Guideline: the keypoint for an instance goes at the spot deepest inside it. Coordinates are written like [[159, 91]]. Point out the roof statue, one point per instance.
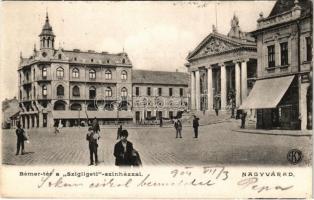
[[235, 31]]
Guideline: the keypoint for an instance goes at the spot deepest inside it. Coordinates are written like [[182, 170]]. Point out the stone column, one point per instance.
[[35, 121], [143, 115], [237, 83], [197, 90], [210, 88], [192, 90], [41, 120], [244, 79], [303, 105], [223, 92], [27, 122]]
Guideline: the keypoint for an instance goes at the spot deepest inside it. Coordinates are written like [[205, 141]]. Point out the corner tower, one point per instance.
[[47, 38]]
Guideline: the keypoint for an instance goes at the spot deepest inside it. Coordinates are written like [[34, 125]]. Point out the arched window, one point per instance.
[[59, 105], [92, 74], [123, 61], [124, 92], [108, 92], [44, 90], [21, 94], [44, 71], [76, 106], [124, 75], [92, 92], [60, 72], [60, 90], [108, 75], [27, 77], [76, 91], [59, 56], [75, 73]]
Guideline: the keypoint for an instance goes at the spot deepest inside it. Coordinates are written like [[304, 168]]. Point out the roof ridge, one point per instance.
[[91, 52]]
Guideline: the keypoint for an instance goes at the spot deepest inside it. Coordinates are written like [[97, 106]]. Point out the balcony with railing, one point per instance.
[[25, 82], [43, 78], [42, 97]]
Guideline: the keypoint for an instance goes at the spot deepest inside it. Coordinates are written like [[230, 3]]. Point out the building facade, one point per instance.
[[282, 94], [159, 94], [9, 109], [223, 69], [74, 86]]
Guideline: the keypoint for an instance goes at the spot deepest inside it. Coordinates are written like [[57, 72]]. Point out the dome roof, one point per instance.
[[47, 29]]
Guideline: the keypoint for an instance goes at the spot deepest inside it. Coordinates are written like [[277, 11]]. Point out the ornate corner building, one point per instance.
[[75, 86], [282, 94]]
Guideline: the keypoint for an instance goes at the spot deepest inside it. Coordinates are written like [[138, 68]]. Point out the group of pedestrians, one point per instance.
[[178, 127]]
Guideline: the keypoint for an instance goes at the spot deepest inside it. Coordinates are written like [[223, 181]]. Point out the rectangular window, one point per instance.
[[181, 92], [308, 48], [149, 114], [170, 92], [137, 91], [271, 56], [159, 91], [148, 91], [284, 53], [44, 72], [170, 114]]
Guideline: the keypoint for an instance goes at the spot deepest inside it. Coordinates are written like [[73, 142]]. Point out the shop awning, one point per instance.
[[267, 93]]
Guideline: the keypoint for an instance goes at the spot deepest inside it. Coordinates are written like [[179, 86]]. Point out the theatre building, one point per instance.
[[282, 93], [222, 69], [72, 85]]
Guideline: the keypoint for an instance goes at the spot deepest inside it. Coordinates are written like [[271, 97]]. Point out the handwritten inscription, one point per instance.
[[252, 183], [188, 176], [177, 177]]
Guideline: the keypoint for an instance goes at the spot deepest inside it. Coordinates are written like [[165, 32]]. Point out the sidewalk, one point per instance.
[[295, 133]]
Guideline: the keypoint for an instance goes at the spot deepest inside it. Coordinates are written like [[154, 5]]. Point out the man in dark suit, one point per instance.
[[195, 126], [92, 138], [119, 132], [123, 151], [243, 116], [20, 139]]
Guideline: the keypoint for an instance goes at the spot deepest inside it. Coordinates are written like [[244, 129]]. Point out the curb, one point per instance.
[[279, 134]]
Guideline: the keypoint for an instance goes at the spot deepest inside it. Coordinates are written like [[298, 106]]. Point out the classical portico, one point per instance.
[[223, 69]]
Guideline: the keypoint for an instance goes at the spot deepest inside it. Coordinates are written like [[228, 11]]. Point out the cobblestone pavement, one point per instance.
[[217, 144]]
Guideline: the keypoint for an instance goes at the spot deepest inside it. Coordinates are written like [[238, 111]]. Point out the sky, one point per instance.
[[155, 35]]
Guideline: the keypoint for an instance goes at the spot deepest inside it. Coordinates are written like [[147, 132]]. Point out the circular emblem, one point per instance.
[[294, 156]]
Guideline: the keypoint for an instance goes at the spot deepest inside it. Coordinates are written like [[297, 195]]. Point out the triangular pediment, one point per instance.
[[213, 44]]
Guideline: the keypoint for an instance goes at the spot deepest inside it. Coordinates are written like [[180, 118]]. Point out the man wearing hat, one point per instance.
[[123, 150]]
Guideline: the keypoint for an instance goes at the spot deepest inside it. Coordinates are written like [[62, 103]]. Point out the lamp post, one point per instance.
[[79, 122]]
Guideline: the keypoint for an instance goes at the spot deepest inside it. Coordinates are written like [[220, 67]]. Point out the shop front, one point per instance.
[[276, 103]]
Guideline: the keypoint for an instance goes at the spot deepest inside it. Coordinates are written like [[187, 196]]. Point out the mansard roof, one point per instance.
[[86, 57], [282, 6], [104, 57], [159, 77], [232, 43]]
